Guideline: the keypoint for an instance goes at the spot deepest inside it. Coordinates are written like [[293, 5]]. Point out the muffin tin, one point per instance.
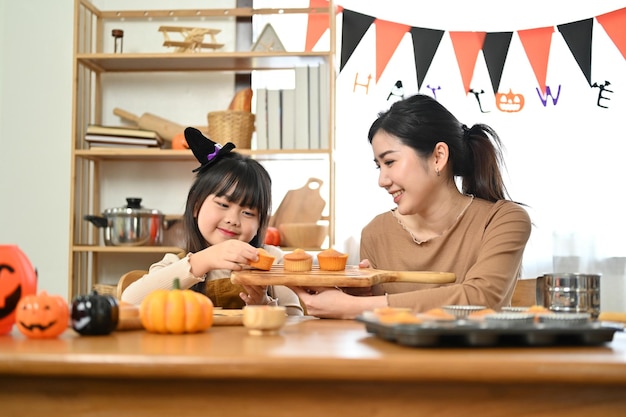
[[502, 329]]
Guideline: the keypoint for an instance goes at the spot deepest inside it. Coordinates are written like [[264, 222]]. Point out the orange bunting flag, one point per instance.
[[536, 43], [466, 46], [317, 24], [388, 36], [613, 24]]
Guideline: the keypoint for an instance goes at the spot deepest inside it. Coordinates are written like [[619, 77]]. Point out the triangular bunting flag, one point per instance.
[[578, 36], [466, 46], [495, 49], [614, 24], [388, 36], [317, 24], [353, 29], [536, 43], [425, 44]]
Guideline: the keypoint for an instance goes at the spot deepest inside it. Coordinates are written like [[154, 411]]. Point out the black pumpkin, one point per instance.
[[94, 314]]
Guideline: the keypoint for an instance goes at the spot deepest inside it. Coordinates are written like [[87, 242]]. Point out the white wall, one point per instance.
[[35, 128], [35, 120]]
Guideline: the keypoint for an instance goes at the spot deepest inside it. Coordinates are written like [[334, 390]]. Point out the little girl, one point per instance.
[[226, 218]]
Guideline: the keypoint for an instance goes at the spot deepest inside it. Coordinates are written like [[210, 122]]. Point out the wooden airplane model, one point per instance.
[[193, 38]]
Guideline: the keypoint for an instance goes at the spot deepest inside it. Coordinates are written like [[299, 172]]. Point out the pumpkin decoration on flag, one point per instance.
[[176, 311], [18, 278], [42, 316]]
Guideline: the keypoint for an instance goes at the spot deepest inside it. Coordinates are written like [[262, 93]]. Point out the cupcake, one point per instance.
[[298, 261], [332, 260], [265, 260]]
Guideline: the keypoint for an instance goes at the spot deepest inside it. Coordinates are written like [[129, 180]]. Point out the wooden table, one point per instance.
[[312, 368]]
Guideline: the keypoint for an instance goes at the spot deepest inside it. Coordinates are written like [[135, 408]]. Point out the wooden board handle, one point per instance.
[[425, 277], [125, 115]]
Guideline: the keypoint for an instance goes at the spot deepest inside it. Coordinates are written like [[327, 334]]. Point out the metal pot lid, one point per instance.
[[132, 207]]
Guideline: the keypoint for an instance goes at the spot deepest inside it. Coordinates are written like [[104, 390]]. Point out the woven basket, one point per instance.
[[231, 126]]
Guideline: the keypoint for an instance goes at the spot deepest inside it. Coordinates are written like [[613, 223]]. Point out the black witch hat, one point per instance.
[[204, 149]]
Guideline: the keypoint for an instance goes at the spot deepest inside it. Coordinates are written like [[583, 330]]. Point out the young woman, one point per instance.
[[476, 232], [226, 218]]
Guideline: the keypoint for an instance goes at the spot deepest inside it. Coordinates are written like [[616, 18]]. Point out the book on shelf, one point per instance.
[[274, 119], [93, 145], [121, 131], [95, 140], [261, 118], [288, 121], [302, 108], [113, 136], [324, 105], [314, 107]]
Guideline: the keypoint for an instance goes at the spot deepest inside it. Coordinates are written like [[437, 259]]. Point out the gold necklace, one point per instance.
[[419, 242]]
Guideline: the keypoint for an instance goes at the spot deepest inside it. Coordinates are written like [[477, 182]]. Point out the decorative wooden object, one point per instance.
[[193, 38], [268, 41]]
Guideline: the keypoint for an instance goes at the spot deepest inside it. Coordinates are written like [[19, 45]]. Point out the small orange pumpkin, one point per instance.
[[176, 311], [42, 316]]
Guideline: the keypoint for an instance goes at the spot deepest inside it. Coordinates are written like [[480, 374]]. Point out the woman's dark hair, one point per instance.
[[252, 188], [420, 122]]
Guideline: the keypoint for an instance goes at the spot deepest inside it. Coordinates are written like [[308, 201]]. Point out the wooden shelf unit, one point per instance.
[[91, 63]]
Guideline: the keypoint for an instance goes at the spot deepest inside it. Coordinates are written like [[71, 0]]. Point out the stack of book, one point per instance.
[[121, 137]]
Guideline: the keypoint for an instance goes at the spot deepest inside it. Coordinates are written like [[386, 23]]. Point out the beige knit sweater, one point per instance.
[[484, 248]]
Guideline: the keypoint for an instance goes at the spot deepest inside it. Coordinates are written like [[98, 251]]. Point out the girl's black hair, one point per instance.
[[252, 188], [420, 122]]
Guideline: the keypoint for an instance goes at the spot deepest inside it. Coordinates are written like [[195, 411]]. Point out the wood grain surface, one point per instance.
[[129, 317], [352, 276]]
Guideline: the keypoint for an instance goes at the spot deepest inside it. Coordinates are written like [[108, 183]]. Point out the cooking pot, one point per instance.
[[131, 225], [570, 292]]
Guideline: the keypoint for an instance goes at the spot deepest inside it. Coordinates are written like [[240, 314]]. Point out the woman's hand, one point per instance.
[[325, 302], [230, 254]]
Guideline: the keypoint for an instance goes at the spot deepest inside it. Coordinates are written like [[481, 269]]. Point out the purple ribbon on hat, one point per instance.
[[210, 156]]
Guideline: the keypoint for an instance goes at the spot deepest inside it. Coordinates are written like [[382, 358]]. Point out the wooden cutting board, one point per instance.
[[352, 276], [304, 205], [129, 317]]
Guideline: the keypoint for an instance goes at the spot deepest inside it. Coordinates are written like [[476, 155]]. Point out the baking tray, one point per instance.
[[470, 333]]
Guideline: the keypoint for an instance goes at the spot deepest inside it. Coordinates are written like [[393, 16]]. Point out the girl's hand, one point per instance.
[[230, 254], [255, 295]]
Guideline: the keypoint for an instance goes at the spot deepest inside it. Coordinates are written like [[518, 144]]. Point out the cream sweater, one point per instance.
[[160, 276]]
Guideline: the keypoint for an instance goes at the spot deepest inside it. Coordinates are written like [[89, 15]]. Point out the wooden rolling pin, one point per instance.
[[147, 121]]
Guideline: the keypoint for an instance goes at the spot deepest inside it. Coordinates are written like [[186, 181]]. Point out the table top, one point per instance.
[[306, 348]]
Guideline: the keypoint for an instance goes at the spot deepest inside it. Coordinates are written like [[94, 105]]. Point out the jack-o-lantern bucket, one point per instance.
[[18, 279]]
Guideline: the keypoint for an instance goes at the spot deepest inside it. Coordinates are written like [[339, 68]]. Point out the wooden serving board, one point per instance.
[[129, 317], [352, 276]]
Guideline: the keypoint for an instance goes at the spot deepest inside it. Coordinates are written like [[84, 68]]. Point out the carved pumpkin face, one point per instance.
[[42, 316], [94, 314], [17, 279], [509, 102]]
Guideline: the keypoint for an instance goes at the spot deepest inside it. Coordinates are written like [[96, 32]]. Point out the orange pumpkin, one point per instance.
[[509, 102], [18, 278], [176, 311], [42, 316]]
